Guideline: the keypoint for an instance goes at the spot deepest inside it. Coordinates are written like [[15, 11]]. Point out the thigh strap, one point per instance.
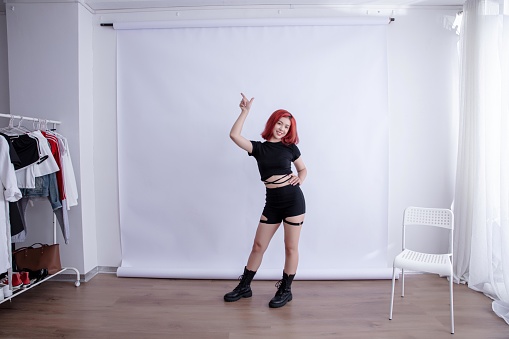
[[293, 223], [284, 220]]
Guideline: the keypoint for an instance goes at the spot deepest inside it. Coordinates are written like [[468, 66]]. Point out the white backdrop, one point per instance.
[[190, 199]]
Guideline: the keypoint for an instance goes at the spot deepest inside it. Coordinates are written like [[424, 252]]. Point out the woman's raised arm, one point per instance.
[[236, 131]]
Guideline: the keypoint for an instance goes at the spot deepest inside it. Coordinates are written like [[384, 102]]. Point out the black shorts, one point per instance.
[[283, 202]]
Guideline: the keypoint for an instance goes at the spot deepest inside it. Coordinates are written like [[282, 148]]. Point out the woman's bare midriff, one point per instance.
[[285, 180]]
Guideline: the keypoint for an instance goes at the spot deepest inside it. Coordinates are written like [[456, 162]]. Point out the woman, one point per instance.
[[284, 199]]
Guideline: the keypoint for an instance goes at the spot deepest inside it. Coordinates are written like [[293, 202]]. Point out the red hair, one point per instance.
[[291, 137]]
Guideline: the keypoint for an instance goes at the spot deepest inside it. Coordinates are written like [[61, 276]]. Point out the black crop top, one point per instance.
[[274, 158]]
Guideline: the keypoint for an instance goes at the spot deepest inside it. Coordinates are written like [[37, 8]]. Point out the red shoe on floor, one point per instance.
[[25, 279]]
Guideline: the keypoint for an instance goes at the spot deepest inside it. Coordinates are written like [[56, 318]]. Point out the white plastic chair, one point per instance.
[[424, 262]]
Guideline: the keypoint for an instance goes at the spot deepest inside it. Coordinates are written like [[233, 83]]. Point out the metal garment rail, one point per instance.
[[8, 295], [22, 118]]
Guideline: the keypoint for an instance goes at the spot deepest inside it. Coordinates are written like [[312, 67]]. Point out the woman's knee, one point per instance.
[[291, 250], [258, 247]]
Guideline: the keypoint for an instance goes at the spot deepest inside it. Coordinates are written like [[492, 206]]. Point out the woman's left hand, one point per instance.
[[295, 180]]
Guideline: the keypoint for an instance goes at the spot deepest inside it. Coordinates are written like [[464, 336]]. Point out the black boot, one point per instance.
[[243, 290], [284, 291]]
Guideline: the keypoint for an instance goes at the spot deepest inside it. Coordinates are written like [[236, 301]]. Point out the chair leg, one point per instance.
[[451, 302], [392, 291], [402, 282]]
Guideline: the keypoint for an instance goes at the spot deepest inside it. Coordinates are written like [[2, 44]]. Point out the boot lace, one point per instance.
[[280, 285], [239, 286]]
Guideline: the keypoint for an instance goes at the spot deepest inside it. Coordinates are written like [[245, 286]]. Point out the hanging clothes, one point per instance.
[[23, 150], [62, 216], [69, 179], [11, 193], [41, 180], [26, 179], [43, 169], [17, 220], [45, 165], [55, 150]]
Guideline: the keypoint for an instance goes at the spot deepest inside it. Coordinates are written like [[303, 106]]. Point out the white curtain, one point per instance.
[[482, 183]]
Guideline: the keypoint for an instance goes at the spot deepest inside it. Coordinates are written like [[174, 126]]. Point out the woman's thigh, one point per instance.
[[292, 232], [264, 234]]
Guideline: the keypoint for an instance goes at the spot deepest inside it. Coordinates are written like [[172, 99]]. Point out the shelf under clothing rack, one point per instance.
[[9, 240]]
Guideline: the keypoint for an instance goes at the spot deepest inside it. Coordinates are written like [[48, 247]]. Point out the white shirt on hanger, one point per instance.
[[11, 193]]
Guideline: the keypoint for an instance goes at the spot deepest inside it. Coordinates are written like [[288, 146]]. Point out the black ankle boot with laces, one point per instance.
[[284, 291], [243, 289]]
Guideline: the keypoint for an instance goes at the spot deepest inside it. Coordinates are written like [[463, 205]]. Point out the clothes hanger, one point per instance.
[[9, 127], [11, 130], [44, 125], [36, 124], [22, 128]]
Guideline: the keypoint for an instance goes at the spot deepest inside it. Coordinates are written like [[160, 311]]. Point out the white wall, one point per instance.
[[423, 98], [422, 105], [105, 137], [50, 53], [4, 74], [86, 132], [49, 75]]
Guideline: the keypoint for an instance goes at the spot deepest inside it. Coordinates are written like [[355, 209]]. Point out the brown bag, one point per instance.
[[35, 258]]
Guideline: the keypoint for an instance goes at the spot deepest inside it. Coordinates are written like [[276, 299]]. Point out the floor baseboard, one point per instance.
[[85, 277]]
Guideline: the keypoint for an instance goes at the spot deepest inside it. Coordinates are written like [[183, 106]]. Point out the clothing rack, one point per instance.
[[9, 239], [28, 118], [21, 118]]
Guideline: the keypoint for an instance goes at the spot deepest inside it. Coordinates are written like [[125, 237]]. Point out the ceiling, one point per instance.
[[126, 4], [113, 5]]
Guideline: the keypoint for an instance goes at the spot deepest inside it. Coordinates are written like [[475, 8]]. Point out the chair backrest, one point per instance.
[[435, 217], [439, 217]]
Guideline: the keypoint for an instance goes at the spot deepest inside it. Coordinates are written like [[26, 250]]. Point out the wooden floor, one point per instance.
[[111, 307]]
